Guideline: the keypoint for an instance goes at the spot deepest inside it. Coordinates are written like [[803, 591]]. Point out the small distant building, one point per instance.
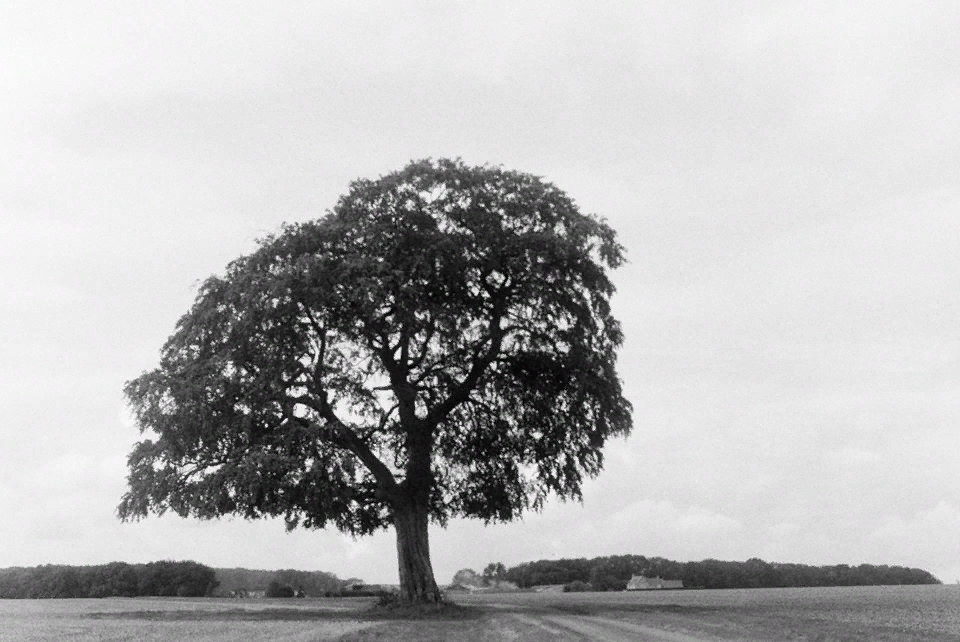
[[641, 583]]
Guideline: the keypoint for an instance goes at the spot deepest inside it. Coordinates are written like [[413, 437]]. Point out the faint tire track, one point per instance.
[[601, 629], [554, 632]]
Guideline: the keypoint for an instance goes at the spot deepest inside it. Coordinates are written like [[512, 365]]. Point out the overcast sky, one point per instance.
[[783, 174]]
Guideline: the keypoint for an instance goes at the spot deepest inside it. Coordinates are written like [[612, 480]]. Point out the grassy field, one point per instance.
[[868, 613]]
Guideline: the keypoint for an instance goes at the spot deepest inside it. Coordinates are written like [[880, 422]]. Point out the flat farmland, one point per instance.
[[857, 613], [844, 613]]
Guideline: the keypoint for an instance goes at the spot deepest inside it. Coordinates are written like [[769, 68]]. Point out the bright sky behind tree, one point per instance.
[[784, 176]]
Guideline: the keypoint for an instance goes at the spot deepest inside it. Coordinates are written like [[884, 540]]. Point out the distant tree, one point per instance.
[[761, 574], [577, 587], [62, 582], [495, 572], [441, 344], [613, 573], [278, 589], [550, 572], [466, 577], [116, 579], [313, 583], [180, 579]]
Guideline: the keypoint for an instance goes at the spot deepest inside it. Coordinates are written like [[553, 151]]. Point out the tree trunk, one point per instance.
[[417, 585]]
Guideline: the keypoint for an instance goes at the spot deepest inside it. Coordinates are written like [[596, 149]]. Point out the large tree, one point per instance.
[[440, 344]]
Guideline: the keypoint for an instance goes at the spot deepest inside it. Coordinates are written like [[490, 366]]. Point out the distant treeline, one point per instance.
[[117, 579], [613, 573], [164, 579], [307, 583]]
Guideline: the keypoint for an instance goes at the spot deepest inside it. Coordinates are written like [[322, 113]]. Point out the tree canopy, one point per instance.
[[440, 344]]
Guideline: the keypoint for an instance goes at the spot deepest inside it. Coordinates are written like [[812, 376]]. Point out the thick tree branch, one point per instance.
[[346, 438], [377, 468], [404, 345], [404, 391], [419, 359], [481, 362], [321, 337]]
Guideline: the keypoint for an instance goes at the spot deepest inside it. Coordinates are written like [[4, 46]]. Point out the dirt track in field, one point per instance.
[[601, 629]]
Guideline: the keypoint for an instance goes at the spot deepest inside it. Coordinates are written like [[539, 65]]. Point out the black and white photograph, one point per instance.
[[480, 321]]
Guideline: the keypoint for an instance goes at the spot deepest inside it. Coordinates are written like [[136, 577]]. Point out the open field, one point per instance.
[[860, 613], [194, 619]]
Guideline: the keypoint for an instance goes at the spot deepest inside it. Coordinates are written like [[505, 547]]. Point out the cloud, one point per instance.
[[851, 457], [929, 539], [669, 525]]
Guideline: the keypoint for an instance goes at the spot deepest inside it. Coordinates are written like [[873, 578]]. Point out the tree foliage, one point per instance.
[[577, 586], [313, 583], [441, 344], [494, 572], [276, 588]]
